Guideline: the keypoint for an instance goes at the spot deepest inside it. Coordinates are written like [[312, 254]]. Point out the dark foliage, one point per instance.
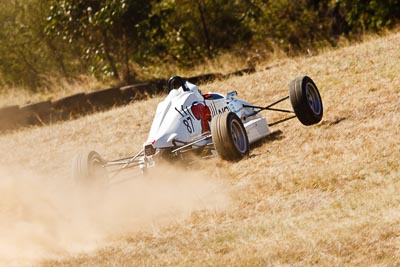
[[110, 39]]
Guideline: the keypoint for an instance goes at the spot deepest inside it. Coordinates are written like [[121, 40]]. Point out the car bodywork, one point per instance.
[[210, 124]]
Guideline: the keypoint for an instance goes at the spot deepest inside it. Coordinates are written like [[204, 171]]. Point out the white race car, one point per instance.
[[208, 124]]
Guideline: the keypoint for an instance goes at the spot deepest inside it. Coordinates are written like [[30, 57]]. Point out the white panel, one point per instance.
[[256, 129]]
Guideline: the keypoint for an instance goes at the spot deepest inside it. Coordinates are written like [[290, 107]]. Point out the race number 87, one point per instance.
[[188, 122]]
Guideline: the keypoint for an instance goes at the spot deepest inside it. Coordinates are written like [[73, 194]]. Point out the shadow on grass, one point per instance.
[[274, 136]]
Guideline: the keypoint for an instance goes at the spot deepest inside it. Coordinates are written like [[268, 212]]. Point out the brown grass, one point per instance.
[[323, 195], [56, 88]]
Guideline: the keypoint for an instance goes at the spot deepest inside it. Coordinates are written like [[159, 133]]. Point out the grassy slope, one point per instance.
[[325, 195]]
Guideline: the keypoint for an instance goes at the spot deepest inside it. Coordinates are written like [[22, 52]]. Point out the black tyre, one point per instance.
[[88, 170], [306, 100], [229, 136]]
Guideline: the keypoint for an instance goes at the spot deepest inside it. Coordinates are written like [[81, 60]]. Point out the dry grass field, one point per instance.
[[326, 195]]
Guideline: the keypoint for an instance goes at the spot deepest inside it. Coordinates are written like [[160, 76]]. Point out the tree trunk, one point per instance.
[[58, 56], [127, 72], [206, 33], [108, 55], [187, 41]]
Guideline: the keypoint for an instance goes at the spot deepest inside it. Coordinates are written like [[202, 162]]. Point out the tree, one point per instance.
[[24, 52], [109, 32], [190, 31], [108, 38], [370, 15]]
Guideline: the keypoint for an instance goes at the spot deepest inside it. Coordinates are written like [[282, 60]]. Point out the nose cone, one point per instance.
[[169, 121], [165, 124]]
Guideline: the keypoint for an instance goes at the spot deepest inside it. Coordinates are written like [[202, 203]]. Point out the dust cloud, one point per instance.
[[48, 217]]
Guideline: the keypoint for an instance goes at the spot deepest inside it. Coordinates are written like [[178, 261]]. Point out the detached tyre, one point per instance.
[[88, 170], [306, 100], [229, 136]]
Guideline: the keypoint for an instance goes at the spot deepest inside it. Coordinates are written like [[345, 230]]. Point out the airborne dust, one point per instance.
[[48, 217]]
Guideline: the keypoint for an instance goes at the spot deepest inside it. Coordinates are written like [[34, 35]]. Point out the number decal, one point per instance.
[[188, 122]]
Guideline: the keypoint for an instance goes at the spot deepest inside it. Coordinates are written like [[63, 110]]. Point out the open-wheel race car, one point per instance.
[[188, 121]]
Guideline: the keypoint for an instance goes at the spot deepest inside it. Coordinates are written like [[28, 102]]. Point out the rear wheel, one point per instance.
[[306, 100], [88, 170], [229, 136]]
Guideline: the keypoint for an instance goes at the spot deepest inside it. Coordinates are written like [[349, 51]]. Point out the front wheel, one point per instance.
[[88, 170], [306, 100], [229, 136]]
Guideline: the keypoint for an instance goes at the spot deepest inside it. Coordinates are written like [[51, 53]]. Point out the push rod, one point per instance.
[[269, 107], [277, 102], [192, 143], [280, 121]]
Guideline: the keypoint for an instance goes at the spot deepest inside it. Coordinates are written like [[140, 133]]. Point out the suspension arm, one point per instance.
[[269, 107]]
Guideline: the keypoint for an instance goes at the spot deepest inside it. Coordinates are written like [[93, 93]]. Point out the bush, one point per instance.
[[111, 39]]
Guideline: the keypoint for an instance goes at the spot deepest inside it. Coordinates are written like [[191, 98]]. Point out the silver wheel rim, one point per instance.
[[313, 98], [238, 136]]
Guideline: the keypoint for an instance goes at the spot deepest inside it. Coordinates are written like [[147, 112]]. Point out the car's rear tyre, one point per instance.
[[229, 136], [306, 100], [88, 170]]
